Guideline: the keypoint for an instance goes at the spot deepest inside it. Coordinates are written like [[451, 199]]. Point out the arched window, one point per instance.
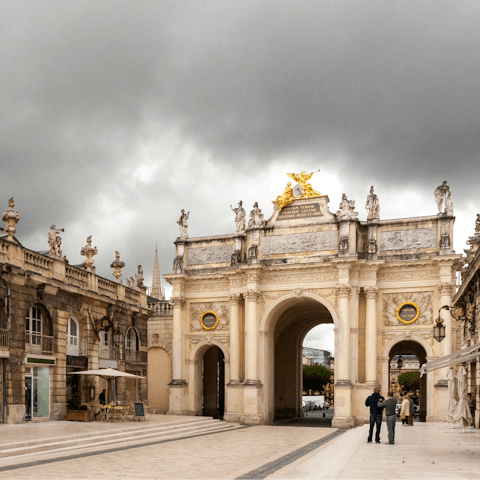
[[72, 337], [34, 330], [131, 346]]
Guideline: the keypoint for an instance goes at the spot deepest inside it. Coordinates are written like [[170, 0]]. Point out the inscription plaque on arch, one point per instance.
[[408, 312], [300, 211]]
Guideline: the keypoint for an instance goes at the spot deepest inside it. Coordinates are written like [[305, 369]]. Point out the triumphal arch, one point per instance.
[[243, 303]]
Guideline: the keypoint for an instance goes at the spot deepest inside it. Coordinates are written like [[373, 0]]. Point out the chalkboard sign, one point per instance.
[[139, 410]]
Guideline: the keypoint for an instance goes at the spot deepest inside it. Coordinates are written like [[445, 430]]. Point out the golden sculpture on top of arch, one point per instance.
[[306, 189]]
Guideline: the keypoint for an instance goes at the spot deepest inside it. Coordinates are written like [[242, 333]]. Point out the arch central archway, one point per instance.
[[286, 323]]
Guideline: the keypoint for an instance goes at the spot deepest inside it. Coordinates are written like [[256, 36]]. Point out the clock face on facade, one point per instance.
[[408, 312], [209, 320]]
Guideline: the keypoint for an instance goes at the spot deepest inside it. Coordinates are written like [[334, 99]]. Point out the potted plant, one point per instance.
[[77, 412]]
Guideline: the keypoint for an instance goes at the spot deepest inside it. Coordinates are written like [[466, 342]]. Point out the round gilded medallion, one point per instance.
[[408, 312], [297, 191], [209, 320]]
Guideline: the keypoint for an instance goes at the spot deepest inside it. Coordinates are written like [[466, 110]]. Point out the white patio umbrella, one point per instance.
[[108, 374], [452, 403], [462, 413]]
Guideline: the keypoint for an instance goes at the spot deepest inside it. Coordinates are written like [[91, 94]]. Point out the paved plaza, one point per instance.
[[427, 450]]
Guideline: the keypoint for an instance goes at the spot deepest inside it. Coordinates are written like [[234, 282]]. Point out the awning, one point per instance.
[[464, 355]]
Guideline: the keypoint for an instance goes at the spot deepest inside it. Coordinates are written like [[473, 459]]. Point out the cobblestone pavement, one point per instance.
[[226, 455]]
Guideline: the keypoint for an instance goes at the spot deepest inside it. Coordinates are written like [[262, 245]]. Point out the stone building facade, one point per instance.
[[467, 309], [56, 319], [242, 304]]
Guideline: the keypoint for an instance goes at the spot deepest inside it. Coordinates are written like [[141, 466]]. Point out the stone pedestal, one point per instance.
[[252, 411], [343, 405]]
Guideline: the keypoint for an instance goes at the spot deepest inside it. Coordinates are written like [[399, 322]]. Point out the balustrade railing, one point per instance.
[[40, 344], [76, 276], [107, 287], [37, 261], [161, 308], [132, 295], [4, 338]]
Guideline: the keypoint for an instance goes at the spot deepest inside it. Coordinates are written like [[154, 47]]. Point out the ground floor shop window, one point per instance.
[[37, 392]]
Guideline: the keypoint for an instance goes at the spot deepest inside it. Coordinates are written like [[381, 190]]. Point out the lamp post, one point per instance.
[[439, 330]]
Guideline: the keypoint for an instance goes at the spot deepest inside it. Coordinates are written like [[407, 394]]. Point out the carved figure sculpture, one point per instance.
[[477, 225], [347, 208], [10, 217], [139, 278], [239, 217], [442, 193], [89, 251], [256, 217], [117, 265], [286, 198], [301, 179], [55, 241], [372, 205], [183, 224]]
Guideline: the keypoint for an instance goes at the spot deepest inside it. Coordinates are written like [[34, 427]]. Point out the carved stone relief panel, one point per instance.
[[207, 287], [300, 278], [208, 255], [300, 242], [220, 308], [391, 301], [405, 239], [410, 275]]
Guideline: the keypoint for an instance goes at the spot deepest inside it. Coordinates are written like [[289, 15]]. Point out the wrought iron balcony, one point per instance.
[[40, 344], [135, 356], [76, 346]]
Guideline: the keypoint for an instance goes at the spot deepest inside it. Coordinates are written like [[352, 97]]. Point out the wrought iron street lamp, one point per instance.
[[439, 330]]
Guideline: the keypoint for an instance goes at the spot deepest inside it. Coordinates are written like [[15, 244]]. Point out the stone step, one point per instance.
[[129, 428], [117, 437]]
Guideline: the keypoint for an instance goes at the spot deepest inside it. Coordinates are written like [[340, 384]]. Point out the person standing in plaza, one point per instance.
[[405, 410], [471, 406], [375, 414], [412, 410], [390, 404]]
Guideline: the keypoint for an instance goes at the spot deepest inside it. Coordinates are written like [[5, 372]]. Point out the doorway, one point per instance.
[[214, 383], [37, 392]]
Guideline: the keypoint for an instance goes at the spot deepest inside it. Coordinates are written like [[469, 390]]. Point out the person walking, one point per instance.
[[375, 414], [412, 410], [405, 411], [390, 403]]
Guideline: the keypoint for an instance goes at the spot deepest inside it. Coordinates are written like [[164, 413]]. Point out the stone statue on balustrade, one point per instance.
[[347, 208], [117, 266], [137, 281], [88, 251], [239, 217], [372, 206], [55, 241], [443, 194], [256, 217], [183, 224]]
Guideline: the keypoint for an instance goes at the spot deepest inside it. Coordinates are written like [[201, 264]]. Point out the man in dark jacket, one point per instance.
[[390, 403], [375, 414]]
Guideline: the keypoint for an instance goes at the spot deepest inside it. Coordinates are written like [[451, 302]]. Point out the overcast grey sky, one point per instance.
[[116, 114]]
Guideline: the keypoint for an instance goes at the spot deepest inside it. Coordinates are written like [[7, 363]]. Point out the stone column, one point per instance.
[[342, 356], [445, 290], [371, 336], [177, 342], [251, 353], [234, 340]]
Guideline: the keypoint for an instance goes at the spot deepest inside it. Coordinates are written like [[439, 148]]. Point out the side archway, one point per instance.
[[413, 345]]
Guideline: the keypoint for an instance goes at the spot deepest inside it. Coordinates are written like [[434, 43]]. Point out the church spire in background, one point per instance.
[[158, 291]]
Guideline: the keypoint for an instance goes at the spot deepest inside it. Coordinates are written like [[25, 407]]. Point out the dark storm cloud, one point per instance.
[[216, 94]]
